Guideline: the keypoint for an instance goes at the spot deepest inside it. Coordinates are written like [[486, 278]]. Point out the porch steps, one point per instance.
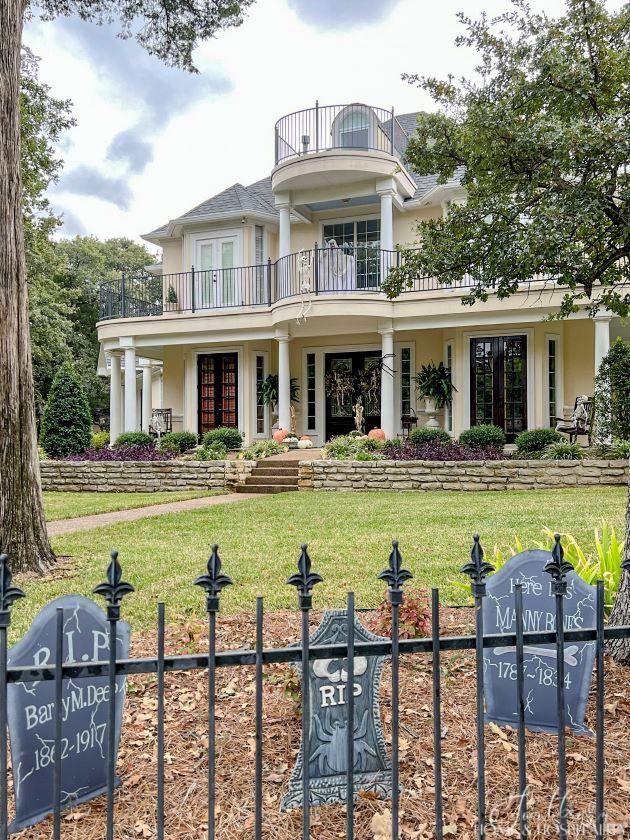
[[271, 477]]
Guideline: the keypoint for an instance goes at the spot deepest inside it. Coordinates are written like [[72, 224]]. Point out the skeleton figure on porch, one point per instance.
[[578, 422], [305, 273], [358, 411], [158, 424], [293, 424]]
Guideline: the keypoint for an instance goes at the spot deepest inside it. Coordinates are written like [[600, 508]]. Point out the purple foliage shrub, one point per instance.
[[436, 451], [138, 452]]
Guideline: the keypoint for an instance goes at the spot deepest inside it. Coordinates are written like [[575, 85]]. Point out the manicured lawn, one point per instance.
[[68, 505], [349, 540]]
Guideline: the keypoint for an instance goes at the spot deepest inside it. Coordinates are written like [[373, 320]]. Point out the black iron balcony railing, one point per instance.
[[317, 271], [326, 127]]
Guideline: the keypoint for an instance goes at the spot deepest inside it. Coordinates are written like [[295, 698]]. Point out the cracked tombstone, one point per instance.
[[31, 711], [539, 615], [328, 685]]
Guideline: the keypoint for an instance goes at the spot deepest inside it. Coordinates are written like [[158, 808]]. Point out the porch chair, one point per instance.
[[407, 423], [166, 416], [581, 421]]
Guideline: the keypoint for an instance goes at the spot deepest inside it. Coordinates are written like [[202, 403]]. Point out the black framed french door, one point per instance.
[[346, 368], [498, 383], [217, 391]]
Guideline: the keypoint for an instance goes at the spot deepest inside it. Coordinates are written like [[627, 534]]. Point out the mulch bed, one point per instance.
[[186, 752]]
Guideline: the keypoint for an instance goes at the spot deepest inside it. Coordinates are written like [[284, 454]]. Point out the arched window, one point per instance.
[[355, 128]]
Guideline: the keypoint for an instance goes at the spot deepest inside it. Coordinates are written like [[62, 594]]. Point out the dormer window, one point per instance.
[[355, 128]]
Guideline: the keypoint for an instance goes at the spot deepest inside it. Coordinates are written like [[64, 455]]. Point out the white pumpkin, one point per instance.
[[305, 444]]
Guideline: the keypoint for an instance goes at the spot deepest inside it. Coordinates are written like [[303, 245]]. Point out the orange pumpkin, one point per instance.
[[305, 437], [376, 434], [280, 434]]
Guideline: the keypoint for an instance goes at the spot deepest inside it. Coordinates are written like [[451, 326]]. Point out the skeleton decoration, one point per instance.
[[358, 411], [329, 689], [305, 273], [158, 424], [339, 384], [293, 423], [540, 661]]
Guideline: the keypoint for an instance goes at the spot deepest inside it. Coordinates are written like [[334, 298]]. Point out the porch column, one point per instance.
[[388, 422], [131, 404], [147, 397], [115, 403], [602, 338], [284, 232], [387, 218], [284, 382]]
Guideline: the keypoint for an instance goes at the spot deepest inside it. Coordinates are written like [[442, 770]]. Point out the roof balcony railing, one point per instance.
[[329, 270], [326, 127]]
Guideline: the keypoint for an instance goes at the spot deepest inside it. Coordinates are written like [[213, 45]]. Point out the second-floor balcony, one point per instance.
[[358, 269]]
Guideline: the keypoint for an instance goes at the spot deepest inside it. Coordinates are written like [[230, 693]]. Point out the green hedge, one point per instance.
[[67, 422], [180, 441], [229, 437], [426, 434], [483, 435], [533, 441], [132, 439]]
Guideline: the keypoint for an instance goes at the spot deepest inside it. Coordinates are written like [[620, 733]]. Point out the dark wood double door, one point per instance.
[[217, 389], [348, 368], [498, 383]]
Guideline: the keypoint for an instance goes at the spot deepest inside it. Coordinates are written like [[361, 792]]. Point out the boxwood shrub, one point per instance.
[[483, 435], [132, 439], [178, 440], [229, 437], [533, 441], [426, 434]]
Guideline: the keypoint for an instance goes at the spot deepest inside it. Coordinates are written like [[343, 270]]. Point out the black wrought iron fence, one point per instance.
[[561, 639]]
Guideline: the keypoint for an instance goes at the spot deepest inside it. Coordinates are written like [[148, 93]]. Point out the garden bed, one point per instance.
[[186, 750], [509, 474]]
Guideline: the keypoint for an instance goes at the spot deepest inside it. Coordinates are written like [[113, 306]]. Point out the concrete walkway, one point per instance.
[[86, 523]]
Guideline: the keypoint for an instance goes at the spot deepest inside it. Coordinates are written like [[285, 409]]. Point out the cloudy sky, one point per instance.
[[151, 142]]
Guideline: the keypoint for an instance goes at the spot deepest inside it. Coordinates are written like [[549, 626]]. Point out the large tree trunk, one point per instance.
[[620, 648], [22, 527]]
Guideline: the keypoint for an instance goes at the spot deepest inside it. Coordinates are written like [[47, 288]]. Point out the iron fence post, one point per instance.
[[123, 296], [558, 568], [8, 594], [477, 570], [113, 590], [212, 583], [395, 576], [304, 580]]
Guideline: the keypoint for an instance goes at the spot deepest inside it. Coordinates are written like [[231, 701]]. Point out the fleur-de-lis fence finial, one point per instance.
[[304, 579], [395, 575], [8, 593], [477, 569], [114, 588], [213, 581], [558, 567]]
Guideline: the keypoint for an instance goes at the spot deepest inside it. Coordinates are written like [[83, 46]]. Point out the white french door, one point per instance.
[[216, 278]]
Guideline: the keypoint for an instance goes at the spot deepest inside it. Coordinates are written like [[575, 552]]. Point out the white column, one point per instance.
[[131, 405], [387, 220], [284, 234], [284, 382], [147, 403], [115, 406], [602, 339], [388, 420]]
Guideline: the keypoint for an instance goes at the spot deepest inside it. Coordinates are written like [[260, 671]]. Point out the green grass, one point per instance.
[[68, 505], [349, 538]]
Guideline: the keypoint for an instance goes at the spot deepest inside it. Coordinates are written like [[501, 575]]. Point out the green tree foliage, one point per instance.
[[540, 139], [612, 394], [67, 423]]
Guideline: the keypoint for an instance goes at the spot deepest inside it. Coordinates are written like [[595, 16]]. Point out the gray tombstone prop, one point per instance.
[[31, 711], [541, 708], [328, 725]]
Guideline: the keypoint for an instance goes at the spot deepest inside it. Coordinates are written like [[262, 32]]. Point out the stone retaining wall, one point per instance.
[[143, 476], [458, 475]]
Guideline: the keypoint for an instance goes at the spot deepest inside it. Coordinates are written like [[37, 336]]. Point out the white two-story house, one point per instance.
[[283, 277]]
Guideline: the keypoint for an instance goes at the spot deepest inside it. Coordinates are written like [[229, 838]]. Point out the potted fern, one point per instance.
[[269, 393], [434, 385]]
